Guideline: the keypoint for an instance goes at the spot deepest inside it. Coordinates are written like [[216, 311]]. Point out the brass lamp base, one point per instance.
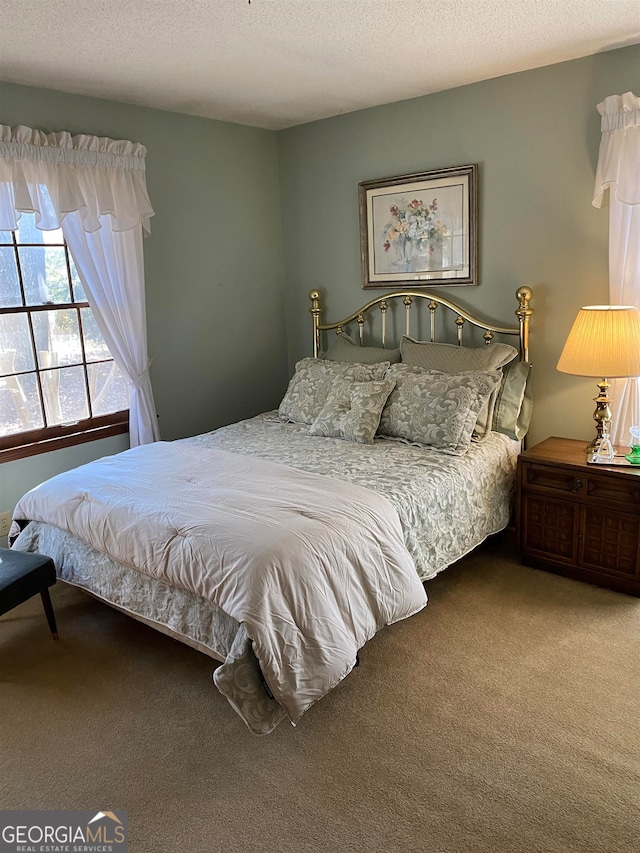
[[601, 415]]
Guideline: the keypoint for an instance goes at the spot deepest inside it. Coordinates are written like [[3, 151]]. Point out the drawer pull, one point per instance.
[[577, 485]]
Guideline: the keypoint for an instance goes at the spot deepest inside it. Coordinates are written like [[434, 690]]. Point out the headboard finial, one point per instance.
[[523, 295], [524, 312]]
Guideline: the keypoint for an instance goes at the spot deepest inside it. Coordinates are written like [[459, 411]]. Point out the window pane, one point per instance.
[[108, 388], [78, 290], [19, 404], [57, 337], [94, 345], [44, 381], [65, 395], [44, 275], [27, 231], [16, 352], [9, 283]]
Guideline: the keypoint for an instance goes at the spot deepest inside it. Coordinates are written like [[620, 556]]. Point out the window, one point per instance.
[[58, 382]]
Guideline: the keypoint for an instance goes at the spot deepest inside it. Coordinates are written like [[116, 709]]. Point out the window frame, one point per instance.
[[27, 443]]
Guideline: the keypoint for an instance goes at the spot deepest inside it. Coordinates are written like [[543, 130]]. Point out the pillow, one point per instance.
[[434, 408], [512, 412], [450, 358], [345, 349], [353, 410], [312, 382]]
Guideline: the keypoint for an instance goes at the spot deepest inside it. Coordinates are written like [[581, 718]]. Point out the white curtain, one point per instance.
[[619, 172], [95, 190]]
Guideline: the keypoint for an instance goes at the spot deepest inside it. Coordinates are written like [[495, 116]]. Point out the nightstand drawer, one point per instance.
[[557, 479], [613, 489]]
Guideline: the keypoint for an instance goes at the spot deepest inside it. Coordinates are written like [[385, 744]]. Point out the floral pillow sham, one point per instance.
[[313, 381], [436, 409], [353, 410], [451, 358]]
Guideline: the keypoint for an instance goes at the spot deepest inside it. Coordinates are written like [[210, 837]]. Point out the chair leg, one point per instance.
[[48, 609]]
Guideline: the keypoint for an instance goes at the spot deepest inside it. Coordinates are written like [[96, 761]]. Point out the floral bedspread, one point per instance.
[[447, 505]]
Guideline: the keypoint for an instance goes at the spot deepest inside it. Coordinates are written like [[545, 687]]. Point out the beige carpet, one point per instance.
[[505, 717]]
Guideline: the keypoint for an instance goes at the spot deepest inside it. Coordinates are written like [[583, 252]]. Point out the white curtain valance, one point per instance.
[[618, 161], [54, 174]]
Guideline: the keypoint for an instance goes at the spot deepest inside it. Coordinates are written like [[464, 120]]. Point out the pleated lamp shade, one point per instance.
[[604, 341]]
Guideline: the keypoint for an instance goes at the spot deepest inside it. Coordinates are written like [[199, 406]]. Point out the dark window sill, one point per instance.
[[115, 425]]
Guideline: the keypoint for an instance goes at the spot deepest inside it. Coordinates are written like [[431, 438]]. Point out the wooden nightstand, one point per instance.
[[576, 519]]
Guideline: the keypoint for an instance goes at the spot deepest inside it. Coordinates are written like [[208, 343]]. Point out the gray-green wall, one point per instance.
[[535, 138], [248, 221], [213, 264]]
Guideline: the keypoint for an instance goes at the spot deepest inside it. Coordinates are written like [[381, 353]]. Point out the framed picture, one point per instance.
[[420, 230]]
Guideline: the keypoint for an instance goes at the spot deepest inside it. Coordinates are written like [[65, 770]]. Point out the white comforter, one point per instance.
[[310, 566]]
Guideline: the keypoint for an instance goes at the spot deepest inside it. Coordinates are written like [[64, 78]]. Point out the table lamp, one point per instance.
[[604, 341]]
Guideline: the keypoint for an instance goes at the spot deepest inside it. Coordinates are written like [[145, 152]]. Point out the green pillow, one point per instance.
[[512, 410], [344, 349]]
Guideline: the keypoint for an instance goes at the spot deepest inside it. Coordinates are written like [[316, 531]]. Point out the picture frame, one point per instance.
[[420, 230]]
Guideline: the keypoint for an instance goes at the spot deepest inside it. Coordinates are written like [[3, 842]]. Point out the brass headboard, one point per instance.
[[523, 312]]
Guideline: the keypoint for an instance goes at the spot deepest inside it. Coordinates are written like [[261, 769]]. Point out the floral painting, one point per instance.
[[420, 229]]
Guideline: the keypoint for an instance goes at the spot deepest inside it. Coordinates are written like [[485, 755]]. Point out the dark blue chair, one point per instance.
[[24, 575]]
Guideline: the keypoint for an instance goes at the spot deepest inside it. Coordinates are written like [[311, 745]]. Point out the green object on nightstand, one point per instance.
[[633, 455]]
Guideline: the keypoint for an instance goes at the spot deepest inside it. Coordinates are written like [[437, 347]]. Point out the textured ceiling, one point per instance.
[[278, 63]]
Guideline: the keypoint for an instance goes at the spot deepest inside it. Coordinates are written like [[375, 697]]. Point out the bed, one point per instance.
[[281, 544]]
